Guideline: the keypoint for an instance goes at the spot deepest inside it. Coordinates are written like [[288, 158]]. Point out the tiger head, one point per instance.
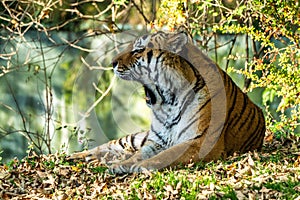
[[154, 60], [136, 62]]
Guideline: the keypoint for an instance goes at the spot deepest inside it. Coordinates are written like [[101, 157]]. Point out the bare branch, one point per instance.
[[87, 113], [94, 67]]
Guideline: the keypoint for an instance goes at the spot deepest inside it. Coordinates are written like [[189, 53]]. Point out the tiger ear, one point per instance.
[[178, 41], [185, 37], [184, 34]]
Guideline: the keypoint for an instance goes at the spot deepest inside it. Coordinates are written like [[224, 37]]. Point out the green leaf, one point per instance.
[[268, 96]]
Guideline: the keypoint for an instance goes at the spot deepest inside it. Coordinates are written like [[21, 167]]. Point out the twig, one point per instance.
[[94, 67], [72, 44], [141, 12], [87, 113], [27, 133], [247, 80], [230, 51]]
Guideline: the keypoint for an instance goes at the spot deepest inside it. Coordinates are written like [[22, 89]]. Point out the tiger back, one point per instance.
[[198, 113]]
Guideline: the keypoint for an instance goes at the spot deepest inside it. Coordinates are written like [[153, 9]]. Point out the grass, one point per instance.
[[288, 189], [271, 174]]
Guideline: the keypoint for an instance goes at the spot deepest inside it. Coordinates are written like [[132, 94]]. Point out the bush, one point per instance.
[[271, 51]]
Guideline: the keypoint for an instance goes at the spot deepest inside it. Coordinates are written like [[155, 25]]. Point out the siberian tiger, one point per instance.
[[198, 113]]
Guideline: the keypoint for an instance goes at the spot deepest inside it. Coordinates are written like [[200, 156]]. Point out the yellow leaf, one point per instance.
[[76, 169]]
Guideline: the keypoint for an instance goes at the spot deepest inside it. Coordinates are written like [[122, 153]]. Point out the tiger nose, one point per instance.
[[115, 64]]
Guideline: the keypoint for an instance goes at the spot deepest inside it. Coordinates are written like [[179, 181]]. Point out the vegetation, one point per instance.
[[42, 81], [263, 175], [270, 51], [56, 83]]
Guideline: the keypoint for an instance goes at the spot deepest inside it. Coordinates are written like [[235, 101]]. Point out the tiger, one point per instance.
[[198, 113]]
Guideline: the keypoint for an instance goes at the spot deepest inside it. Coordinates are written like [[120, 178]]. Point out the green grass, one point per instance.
[[289, 189], [180, 183], [265, 175]]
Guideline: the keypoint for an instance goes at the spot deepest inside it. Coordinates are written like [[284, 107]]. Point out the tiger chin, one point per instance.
[[198, 113]]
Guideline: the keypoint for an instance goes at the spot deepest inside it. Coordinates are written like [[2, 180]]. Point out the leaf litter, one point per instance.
[[273, 173]]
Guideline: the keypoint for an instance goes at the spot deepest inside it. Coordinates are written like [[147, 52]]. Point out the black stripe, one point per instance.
[[128, 140], [144, 139], [150, 96], [245, 109], [196, 119], [159, 136], [233, 96], [187, 100], [121, 143], [156, 116], [175, 121], [149, 56], [156, 64], [255, 141], [236, 119], [200, 83], [249, 139], [132, 142], [203, 105], [151, 147], [257, 136], [257, 125], [159, 92]]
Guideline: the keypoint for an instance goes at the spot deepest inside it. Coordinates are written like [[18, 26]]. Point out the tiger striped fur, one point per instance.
[[198, 113]]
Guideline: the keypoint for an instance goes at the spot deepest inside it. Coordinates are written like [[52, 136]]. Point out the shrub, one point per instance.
[[271, 49]]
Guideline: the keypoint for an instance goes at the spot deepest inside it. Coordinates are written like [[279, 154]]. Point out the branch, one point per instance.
[[141, 12], [87, 113], [230, 51], [94, 67]]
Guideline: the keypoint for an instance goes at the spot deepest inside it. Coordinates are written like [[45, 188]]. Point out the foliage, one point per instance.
[[171, 13], [54, 30], [271, 51], [257, 40], [247, 176], [44, 48]]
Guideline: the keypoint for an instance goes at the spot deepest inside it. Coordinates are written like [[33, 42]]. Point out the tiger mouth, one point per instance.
[[121, 71], [123, 74], [150, 96]]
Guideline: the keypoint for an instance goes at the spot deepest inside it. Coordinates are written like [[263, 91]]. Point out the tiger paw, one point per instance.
[[85, 155], [120, 169]]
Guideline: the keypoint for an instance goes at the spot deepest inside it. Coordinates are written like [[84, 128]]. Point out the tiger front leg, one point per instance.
[[137, 164], [103, 153], [149, 150], [183, 153], [115, 150]]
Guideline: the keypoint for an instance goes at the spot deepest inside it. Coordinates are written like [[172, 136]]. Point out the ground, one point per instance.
[[273, 173]]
